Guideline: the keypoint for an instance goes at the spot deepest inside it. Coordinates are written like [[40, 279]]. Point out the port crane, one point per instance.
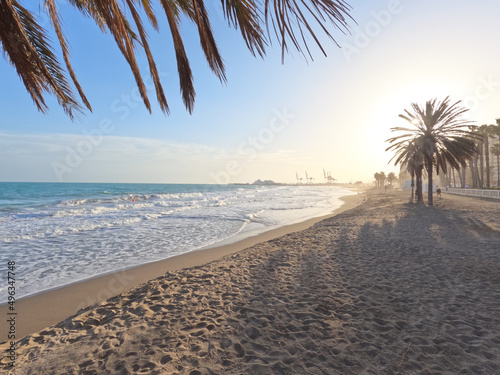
[[328, 177], [299, 179], [309, 179]]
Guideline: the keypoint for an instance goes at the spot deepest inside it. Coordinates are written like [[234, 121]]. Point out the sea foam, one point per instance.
[[62, 233]]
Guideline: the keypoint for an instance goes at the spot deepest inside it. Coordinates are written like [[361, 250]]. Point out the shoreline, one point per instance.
[[43, 309], [387, 287]]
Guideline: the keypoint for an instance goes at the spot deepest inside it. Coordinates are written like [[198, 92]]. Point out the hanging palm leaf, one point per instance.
[[25, 45]]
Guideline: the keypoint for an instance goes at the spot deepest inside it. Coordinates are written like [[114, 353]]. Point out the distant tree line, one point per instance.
[[380, 178], [479, 171]]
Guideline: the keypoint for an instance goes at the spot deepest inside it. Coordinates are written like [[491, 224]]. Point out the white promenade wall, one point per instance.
[[483, 193]]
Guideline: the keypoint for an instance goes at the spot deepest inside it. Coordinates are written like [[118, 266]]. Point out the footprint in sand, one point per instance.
[[165, 359], [225, 343], [240, 352], [86, 363], [253, 333], [146, 366]]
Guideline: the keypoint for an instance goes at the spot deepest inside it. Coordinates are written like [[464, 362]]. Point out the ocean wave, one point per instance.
[[31, 215], [253, 216], [81, 236]]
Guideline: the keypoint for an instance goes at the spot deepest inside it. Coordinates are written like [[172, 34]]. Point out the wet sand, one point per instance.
[[384, 288]]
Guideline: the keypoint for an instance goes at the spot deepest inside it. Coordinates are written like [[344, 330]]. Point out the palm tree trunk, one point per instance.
[[429, 179], [481, 165], [498, 170], [412, 186], [472, 174], [415, 198], [462, 177], [474, 171], [418, 191], [487, 159]]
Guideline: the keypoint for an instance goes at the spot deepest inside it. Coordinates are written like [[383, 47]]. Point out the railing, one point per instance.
[[475, 192]]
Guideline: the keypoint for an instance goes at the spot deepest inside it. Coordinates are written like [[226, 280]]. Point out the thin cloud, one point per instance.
[[74, 158]]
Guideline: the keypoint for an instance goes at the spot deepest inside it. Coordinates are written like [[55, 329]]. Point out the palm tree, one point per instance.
[[485, 131], [495, 150], [496, 128], [379, 179], [476, 161], [391, 177], [26, 46], [409, 155], [382, 178], [439, 135]]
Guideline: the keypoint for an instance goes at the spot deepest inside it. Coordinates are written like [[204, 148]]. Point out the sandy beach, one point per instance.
[[386, 287]]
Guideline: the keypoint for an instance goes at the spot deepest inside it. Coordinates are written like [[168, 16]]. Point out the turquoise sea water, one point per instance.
[[59, 233]]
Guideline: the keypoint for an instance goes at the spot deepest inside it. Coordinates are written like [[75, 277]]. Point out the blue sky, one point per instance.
[[269, 120]]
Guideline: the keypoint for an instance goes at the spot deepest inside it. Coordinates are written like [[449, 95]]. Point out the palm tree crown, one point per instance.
[[439, 137], [26, 46], [391, 177]]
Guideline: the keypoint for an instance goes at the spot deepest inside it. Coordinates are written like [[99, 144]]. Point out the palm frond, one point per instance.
[[25, 44], [146, 5], [89, 9], [56, 23], [185, 75], [207, 39], [160, 95], [287, 15], [245, 15], [125, 38], [26, 47]]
